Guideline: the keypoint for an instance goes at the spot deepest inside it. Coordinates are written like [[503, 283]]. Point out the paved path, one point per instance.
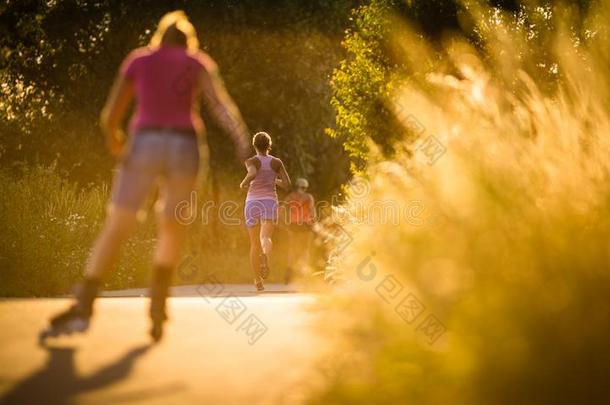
[[204, 358]]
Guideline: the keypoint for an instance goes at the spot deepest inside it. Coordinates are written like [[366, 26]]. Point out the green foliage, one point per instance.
[[362, 82], [363, 85]]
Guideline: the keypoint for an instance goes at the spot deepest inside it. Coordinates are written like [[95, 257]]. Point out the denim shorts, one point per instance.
[[260, 210], [161, 159]]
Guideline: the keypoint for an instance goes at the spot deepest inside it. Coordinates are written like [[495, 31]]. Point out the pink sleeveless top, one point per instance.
[[263, 185], [164, 83]]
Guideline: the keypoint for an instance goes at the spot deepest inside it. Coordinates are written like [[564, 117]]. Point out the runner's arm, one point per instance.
[[113, 113], [223, 109], [284, 180], [251, 167]]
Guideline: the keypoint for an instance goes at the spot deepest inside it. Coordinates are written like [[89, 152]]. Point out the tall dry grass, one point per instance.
[[512, 256]]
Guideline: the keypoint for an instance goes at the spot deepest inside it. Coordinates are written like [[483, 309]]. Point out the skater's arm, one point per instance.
[[252, 170], [223, 109], [113, 113]]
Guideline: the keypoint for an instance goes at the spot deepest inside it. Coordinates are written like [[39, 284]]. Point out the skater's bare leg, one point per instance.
[[118, 226], [171, 236]]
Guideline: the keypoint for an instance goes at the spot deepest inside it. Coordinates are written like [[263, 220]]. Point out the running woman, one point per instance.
[[301, 216], [260, 211], [168, 79]]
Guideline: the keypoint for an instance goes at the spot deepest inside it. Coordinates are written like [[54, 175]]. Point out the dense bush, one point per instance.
[[365, 81], [362, 84]]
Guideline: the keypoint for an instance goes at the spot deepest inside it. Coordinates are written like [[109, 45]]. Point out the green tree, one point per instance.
[[361, 83]]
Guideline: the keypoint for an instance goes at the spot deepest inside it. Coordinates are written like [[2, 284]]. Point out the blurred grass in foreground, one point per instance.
[[513, 254]]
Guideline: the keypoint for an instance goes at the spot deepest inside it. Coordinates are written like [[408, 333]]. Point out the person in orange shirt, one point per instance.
[[301, 214]]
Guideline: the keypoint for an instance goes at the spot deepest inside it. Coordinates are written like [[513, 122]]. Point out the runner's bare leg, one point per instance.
[[255, 249], [266, 233]]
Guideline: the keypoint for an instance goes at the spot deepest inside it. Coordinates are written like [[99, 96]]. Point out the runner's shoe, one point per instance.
[[258, 283]]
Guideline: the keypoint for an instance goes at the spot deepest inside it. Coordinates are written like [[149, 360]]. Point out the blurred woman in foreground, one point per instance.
[[168, 79]]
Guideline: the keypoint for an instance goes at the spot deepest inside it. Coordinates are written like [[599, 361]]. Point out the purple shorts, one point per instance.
[[256, 211]]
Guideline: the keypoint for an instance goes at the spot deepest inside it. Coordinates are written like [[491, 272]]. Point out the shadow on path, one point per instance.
[[57, 382]]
